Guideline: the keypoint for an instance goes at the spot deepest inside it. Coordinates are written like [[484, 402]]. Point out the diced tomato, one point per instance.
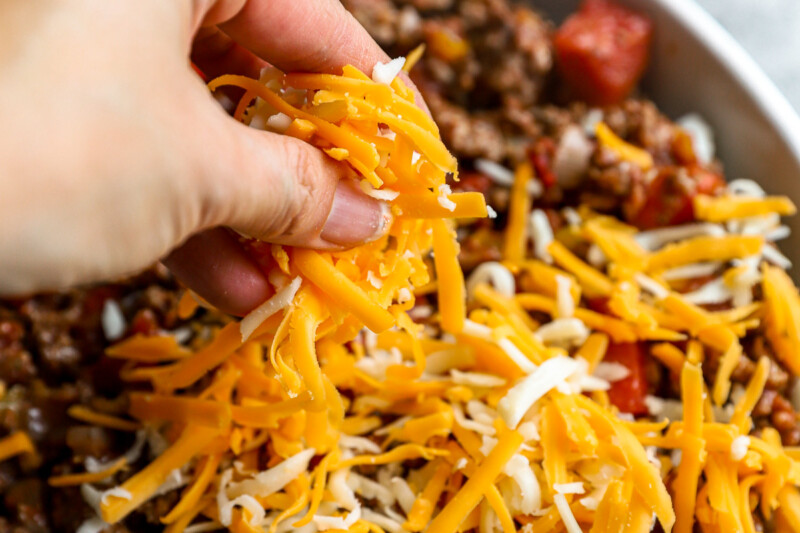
[[602, 51], [669, 196], [628, 394], [541, 156], [145, 323]]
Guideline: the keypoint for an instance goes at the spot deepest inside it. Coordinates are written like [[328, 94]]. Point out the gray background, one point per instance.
[[770, 31]]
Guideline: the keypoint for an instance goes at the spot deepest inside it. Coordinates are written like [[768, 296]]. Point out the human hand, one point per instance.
[[113, 152]]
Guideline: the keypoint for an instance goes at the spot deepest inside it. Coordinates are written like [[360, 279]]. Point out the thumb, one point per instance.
[[279, 189], [274, 188]]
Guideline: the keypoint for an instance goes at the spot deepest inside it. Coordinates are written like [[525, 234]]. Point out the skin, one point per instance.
[[113, 154]]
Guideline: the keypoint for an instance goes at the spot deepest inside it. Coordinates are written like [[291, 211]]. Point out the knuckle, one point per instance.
[[295, 209]]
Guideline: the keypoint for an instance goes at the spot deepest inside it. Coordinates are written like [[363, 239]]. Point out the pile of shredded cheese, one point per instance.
[[328, 408]]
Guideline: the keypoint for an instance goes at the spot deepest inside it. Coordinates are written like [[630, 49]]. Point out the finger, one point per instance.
[[282, 190], [217, 268], [216, 54], [305, 35]]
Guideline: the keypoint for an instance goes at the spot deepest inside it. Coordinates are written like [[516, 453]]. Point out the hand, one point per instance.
[[113, 152]]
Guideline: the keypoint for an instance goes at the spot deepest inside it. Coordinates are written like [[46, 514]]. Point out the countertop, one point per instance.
[[770, 31]]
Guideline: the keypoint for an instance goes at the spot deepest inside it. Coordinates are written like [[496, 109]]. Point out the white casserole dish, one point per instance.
[[696, 66]]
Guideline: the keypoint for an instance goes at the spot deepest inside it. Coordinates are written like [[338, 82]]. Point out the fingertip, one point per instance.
[[215, 266]]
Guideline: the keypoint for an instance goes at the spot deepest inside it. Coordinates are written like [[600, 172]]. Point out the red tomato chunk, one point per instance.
[[628, 394], [602, 51]]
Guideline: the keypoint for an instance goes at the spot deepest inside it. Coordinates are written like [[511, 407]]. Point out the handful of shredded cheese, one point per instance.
[[328, 408]]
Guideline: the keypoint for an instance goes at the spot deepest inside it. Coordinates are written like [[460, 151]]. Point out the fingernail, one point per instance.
[[355, 218]]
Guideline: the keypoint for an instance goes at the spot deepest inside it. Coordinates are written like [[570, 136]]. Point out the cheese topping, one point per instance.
[[494, 411]]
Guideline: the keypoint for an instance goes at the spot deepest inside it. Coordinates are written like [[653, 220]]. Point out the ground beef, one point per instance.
[[51, 357], [483, 98]]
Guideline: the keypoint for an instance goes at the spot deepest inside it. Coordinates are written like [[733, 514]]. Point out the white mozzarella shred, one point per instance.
[[112, 320], [476, 379], [701, 134], [278, 122], [541, 233], [91, 496], [590, 121], [611, 371], [445, 360], [420, 312], [572, 217], [461, 463], [403, 494], [691, 271], [569, 488], [479, 331], [745, 187], [358, 444], [529, 431], [382, 521], [518, 468], [385, 73], [175, 479], [117, 492], [490, 212], [257, 121], [565, 304], [739, 447], [324, 523], [341, 491], [566, 514], [487, 445], [675, 457], [471, 425], [522, 396], [94, 524], [499, 174], [481, 412], [775, 257], [758, 225], [516, 355], [652, 286], [247, 502], [415, 157], [494, 273], [272, 480], [596, 257], [386, 195], [404, 296], [571, 158], [777, 234], [714, 292], [369, 489], [278, 279], [663, 408], [279, 301], [564, 332], [652, 456], [444, 198], [591, 501], [374, 280], [656, 238]]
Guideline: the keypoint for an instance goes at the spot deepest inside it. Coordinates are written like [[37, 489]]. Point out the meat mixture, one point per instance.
[[496, 76]]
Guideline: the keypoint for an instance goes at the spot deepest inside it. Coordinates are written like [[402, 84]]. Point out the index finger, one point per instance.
[[306, 35]]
